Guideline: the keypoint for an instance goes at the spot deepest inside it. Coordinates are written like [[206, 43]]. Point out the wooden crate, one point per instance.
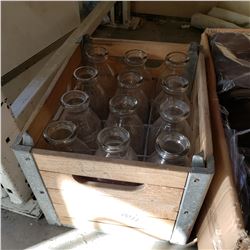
[[163, 202], [220, 224]]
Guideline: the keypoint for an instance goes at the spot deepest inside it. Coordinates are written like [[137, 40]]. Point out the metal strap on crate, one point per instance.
[[28, 165], [196, 187]]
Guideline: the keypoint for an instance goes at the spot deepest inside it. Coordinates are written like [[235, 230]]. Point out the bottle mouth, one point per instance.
[[113, 139], [60, 132], [174, 84], [123, 104], [172, 145], [75, 100], [130, 79], [135, 57], [96, 53], [174, 110], [177, 58], [85, 73]]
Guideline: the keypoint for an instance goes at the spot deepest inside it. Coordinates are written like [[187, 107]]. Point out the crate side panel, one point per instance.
[[121, 170], [114, 229], [155, 200], [159, 228]]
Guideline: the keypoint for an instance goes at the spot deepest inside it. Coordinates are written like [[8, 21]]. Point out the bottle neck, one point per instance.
[[114, 140], [135, 58], [176, 59], [174, 110], [60, 133], [75, 101], [174, 85], [86, 75], [172, 145], [130, 79], [123, 105], [97, 55]]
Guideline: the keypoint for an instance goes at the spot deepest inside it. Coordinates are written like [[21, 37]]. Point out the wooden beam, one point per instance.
[[24, 108]]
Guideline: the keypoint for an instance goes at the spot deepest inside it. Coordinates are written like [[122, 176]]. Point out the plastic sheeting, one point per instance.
[[231, 55]]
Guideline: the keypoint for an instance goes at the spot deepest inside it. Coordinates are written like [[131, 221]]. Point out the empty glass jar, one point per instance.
[[173, 117], [123, 114], [61, 135], [86, 80], [135, 60], [174, 87], [130, 83], [114, 142], [171, 148], [175, 64], [76, 109], [98, 57]]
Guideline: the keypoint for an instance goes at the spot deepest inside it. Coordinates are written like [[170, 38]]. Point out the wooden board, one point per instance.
[[121, 170], [159, 230], [220, 224], [159, 201]]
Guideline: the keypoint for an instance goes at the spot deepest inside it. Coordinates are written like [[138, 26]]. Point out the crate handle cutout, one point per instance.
[[105, 183]]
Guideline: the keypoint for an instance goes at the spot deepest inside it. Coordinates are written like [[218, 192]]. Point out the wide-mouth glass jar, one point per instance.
[[87, 81], [97, 57], [171, 148], [130, 84], [173, 88], [123, 114], [114, 142], [77, 110], [62, 136]]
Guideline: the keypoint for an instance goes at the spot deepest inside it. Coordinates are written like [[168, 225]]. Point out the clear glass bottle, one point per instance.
[[173, 117], [86, 80], [136, 60], [76, 109], [114, 142], [175, 64], [62, 136], [174, 87], [130, 83], [123, 114], [98, 57], [171, 148]]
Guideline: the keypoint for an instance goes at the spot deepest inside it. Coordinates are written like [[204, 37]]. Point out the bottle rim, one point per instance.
[[165, 140], [123, 104], [174, 111], [135, 57], [97, 54], [130, 79], [174, 84], [73, 94], [54, 126], [89, 72], [113, 139], [183, 58]]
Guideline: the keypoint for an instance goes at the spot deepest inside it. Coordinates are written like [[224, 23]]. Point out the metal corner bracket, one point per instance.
[[22, 149], [197, 184]]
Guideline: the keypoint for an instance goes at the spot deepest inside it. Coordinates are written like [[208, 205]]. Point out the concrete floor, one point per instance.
[[20, 232]]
